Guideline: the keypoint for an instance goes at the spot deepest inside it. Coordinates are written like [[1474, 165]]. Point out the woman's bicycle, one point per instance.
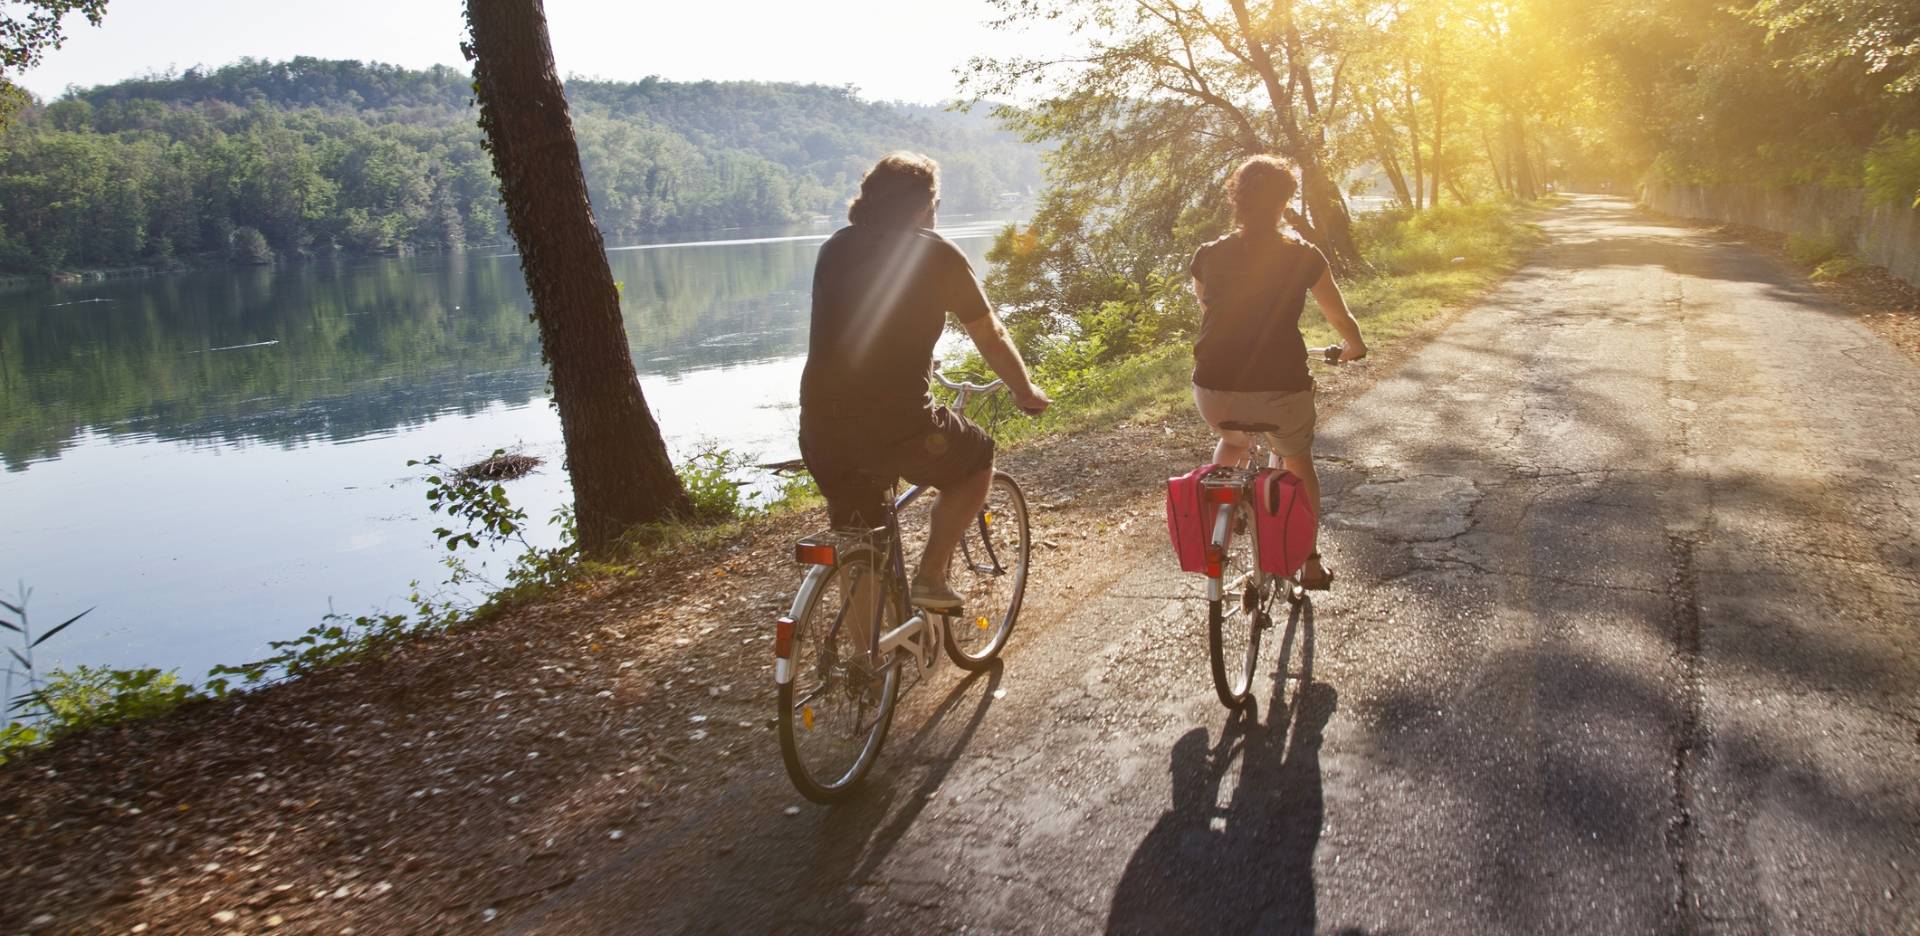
[[1240, 595], [840, 650]]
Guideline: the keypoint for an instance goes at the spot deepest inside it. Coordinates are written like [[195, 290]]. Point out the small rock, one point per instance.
[[211, 867], [615, 834], [487, 915], [793, 810], [41, 920], [700, 735], [275, 920], [225, 916]]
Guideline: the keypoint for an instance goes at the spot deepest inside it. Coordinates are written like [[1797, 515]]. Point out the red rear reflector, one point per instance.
[[814, 554], [1222, 495], [783, 637], [1216, 560]]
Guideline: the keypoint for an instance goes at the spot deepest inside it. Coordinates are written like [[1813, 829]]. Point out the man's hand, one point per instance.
[[1033, 402], [1352, 351]]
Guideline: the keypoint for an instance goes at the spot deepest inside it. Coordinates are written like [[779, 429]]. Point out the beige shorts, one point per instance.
[[1289, 411]]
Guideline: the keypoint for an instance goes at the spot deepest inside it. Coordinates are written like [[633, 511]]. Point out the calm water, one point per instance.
[[217, 459]]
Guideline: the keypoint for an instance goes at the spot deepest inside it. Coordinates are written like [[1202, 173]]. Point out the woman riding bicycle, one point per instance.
[[1250, 362]]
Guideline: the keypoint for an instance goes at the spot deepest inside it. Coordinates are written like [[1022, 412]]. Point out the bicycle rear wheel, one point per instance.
[[990, 572], [1235, 620], [834, 713]]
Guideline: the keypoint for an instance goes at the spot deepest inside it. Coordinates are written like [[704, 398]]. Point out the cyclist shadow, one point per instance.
[[1246, 866]]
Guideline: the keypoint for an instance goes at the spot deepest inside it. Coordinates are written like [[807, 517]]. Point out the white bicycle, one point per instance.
[[840, 649]]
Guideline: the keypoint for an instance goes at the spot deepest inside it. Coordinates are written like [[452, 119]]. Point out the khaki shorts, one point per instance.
[[1290, 411]]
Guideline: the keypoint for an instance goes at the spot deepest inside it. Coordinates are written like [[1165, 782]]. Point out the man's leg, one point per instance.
[[955, 508]]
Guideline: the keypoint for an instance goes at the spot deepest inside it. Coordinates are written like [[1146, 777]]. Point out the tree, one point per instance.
[[615, 456], [27, 33], [1172, 82]]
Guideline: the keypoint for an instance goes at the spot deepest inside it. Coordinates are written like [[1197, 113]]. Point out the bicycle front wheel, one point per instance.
[[1234, 622], [834, 712], [990, 572]]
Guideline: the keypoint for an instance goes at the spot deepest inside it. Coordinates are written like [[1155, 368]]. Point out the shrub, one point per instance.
[[1812, 250], [1893, 171]]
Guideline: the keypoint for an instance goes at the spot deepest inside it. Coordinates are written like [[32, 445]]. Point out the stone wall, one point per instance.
[[1886, 235]]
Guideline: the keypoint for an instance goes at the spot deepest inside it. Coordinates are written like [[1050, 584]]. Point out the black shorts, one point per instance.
[[856, 461]]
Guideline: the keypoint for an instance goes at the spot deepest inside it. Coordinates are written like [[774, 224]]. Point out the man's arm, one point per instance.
[[997, 348]]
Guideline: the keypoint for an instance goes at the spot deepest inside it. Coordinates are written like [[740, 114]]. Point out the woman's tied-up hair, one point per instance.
[[1259, 190], [896, 190]]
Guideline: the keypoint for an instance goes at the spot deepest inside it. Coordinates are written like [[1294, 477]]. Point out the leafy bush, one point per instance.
[[1837, 268], [1812, 250], [250, 246], [710, 477], [1401, 241], [1893, 171]]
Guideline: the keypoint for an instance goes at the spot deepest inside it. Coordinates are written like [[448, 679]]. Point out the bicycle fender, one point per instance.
[[783, 665]]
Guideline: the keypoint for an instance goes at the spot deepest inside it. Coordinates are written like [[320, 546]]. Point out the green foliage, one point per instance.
[[1403, 242], [712, 479], [28, 28], [1893, 171], [318, 154], [86, 696], [1812, 250], [1837, 268]]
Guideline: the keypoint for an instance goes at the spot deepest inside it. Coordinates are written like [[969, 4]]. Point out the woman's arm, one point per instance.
[[1334, 307]]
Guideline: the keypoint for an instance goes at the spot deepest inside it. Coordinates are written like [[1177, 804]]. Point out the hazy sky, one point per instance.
[[891, 49]]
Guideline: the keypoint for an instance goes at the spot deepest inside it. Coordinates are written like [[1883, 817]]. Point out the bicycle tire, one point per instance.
[[991, 575], [1235, 620], [796, 722]]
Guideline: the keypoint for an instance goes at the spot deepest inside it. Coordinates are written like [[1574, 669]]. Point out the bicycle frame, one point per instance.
[[923, 631]]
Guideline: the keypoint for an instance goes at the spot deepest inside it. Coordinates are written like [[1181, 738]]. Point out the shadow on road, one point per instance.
[[1245, 866]]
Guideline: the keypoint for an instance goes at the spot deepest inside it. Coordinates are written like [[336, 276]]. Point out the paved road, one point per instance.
[[1624, 642]]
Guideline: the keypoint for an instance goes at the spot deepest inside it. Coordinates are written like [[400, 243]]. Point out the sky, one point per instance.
[[890, 49]]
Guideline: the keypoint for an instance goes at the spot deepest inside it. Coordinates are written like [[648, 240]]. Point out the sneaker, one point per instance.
[[935, 597]]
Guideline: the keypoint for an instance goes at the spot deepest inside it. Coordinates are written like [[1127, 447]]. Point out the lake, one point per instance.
[[217, 459]]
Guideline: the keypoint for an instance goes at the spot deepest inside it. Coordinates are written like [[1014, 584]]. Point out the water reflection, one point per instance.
[[211, 457]]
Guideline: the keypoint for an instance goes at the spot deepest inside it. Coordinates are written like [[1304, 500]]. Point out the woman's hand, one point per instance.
[[1033, 402]]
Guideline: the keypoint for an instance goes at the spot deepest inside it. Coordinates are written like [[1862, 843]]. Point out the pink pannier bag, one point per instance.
[[1285, 522], [1190, 518]]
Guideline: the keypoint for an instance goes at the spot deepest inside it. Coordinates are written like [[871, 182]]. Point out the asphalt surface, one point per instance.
[[1623, 641]]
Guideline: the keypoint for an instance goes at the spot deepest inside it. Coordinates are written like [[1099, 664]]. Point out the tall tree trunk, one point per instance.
[[617, 460], [1383, 147], [1439, 140], [1493, 164], [1413, 138], [1525, 184]]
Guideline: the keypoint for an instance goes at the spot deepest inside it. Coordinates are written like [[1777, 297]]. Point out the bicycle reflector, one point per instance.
[[1216, 560], [809, 553], [783, 637], [1223, 494]]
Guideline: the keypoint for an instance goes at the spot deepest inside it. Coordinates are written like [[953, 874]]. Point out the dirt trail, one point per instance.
[[1621, 643]]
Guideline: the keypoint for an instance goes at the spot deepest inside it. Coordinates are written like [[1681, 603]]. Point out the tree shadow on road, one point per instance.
[[1245, 866]]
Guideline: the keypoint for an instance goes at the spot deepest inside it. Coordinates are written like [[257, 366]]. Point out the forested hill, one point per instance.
[[262, 159]]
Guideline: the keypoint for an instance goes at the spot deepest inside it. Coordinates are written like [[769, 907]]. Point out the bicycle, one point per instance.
[[1239, 594], [837, 697]]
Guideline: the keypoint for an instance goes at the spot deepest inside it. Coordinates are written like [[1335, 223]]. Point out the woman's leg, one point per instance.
[[1231, 450], [1301, 466]]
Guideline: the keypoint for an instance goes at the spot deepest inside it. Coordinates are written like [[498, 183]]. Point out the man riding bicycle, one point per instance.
[[882, 288]]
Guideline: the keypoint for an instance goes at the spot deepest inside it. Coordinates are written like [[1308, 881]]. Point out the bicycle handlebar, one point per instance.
[[967, 386]]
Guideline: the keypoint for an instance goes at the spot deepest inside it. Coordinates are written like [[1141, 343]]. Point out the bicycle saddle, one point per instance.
[[1237, 426]]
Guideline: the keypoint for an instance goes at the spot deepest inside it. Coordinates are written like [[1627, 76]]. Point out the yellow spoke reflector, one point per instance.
[[982, 623], [806, 716], [987, 518]]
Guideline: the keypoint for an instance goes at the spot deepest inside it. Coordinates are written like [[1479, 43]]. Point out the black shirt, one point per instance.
[[880, 299], [1252, 292]]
